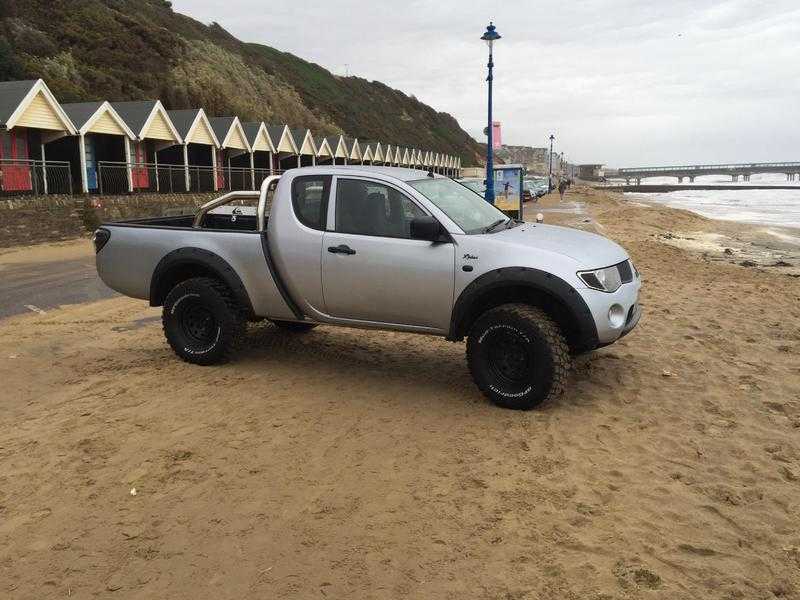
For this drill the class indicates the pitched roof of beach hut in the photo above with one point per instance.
(338, 145)
(353, 148)
(230, 133)
(305, 141)
(193, 126)
(282, 139)
(324, 148)
(148, 119)
(30, 103)
(258, 137)
(97, 117)
(377, 153)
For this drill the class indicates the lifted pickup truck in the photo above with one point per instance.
(384, 248)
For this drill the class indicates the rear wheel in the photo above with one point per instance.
(517, 356)
(202, 321)
(294, 326)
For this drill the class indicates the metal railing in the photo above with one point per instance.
(18, 176)
(113, 177)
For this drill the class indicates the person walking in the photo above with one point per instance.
(562, 187)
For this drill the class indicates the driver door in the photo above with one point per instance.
(371, 268)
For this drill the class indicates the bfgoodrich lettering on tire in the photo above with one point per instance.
(202, 321)
(517, 356)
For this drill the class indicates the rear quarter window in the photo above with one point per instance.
(310, 200)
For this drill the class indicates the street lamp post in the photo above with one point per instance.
(550, 178)
(490, 36)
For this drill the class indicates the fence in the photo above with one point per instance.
(112, 178)
(18, 176)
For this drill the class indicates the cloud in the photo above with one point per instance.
(618, 81)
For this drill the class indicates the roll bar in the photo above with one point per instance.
(231, 196)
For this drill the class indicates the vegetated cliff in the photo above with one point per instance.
(140, 49)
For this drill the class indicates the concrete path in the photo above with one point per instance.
(44, 277)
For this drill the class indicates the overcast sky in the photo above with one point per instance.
(623, 82)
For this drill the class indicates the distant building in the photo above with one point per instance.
(591, 172)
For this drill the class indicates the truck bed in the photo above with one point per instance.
(142, 244)
(219, 219)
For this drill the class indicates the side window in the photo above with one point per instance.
(372, 208)
(310, 199)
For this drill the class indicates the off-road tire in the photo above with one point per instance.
(294, 326)
(517, 356)
(202, 321)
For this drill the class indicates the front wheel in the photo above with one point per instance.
(517, 356)
(202, 321)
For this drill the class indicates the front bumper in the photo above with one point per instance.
(634, 314)
(626, 303)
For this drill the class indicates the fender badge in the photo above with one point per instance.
(470, 257)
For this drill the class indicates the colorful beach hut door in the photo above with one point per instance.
(15, 173)
(91, 163)
(141, 178)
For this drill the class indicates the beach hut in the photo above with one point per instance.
(234, 160)
(388, 155)
(353, 150)
(155, 133)
(103, 140)
(199, 156)
(307, 147)
(262, 151)
(324, 152)
(287, 154)
(366, 152)
(339, 147)
(378, 156)
(398, 155)
(405, 159)
(35, 152)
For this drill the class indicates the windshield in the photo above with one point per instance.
(465, 208)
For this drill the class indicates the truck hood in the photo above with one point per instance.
(592, 251)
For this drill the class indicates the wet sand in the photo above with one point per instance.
(354, 464)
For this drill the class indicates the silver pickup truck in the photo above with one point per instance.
(382, 248)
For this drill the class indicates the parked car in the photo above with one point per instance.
(528, 192)
(540, 187)
(381, 248)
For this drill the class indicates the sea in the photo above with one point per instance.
(780, 208)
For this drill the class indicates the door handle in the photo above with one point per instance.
(341, 249)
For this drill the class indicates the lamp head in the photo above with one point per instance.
(490, 35)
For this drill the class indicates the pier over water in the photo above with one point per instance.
(744, 170)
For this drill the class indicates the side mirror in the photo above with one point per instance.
(426, 228)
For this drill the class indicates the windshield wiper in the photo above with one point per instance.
(495, 224)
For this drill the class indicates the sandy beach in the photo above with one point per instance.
(354, 464)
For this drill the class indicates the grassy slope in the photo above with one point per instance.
(135, 49)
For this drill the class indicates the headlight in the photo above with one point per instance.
(605, 280)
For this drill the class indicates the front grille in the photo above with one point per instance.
(625, 271)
